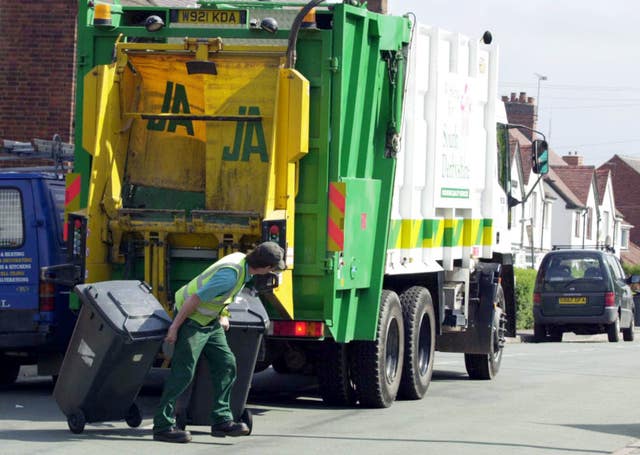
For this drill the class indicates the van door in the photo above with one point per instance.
(19, 264)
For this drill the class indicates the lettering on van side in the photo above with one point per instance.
(4, 304)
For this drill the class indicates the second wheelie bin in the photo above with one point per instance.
(247, 324)
(119, 331)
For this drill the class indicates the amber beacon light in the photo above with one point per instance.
(102, 15)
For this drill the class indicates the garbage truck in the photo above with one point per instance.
(205, 130)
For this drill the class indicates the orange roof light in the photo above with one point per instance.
(310, 19)
(102, 14)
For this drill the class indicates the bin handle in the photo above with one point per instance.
(140, 338)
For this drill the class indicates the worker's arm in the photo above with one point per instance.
(187, 308)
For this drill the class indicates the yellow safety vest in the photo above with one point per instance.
(208, 311)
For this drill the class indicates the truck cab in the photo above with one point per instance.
(35, 319)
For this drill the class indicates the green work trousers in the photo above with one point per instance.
(193, 340)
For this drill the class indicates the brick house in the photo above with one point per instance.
(37, 71)
(625, 174)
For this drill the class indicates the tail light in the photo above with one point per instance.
(308, 329)
(537, 299)
(47, 297)
(609, 299)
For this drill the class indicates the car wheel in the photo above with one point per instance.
(555, 335)
(613, 331)
(627, 334)
(539, 333)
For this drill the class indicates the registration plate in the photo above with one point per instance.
(572, 300)
(210, 16)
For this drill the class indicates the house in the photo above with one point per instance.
(574, 206)
(625, 176)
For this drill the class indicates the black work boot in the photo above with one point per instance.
(229, 428)
(172, 435)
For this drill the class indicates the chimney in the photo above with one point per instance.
(521, 111)
(573, 160)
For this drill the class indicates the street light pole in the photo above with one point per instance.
(540, 78)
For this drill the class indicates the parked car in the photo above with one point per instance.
(582, 291)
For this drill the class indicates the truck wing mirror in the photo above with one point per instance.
(540, 157)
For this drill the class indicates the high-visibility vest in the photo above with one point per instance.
(208, 311)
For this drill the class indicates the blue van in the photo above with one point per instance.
(35, 320)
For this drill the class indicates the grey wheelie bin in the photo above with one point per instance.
(248, 322)
(119, 331)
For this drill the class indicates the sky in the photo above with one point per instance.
(588, 50)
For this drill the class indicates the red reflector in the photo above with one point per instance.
(47, 297)
(537, 300)
(311, 329)
(609, 299)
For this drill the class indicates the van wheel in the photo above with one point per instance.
(377, 364)
(613, 331)
(486, 366)
(419, 342)
(627, 334)
(9, 369)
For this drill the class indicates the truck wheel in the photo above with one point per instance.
(613, 331)
(9, 369)
(76, 422)
(334, 378)
(627, 334)
(486, 366)
(377, 364)
(419, 342)
(134, 416)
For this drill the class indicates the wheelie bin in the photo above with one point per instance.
(119, 331)
(247, 324)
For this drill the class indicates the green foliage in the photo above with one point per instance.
(631, 269)
(525, 279)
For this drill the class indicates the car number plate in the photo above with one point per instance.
(210, 16)
(572, 300)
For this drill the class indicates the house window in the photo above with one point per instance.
(624, 239)
(576, 227)
(589, 222)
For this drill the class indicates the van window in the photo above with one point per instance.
(11, 221)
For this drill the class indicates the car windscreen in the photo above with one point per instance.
(573, 272)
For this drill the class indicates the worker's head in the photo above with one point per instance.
(266, 257)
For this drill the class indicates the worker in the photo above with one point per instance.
(198, 327)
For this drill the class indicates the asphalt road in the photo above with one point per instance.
(580, 396)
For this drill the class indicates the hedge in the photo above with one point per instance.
(525, 279)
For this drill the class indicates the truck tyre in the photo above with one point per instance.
(377, 364)
(9, 369)
(613, 331)
(419, 342)
(486, 366)
(334, 378)
(627, 334)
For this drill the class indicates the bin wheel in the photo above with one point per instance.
(76, 422)
(247, 418)
(134, 416)
(181, 421)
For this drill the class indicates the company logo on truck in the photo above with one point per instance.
(175, 102)
(249, 135)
